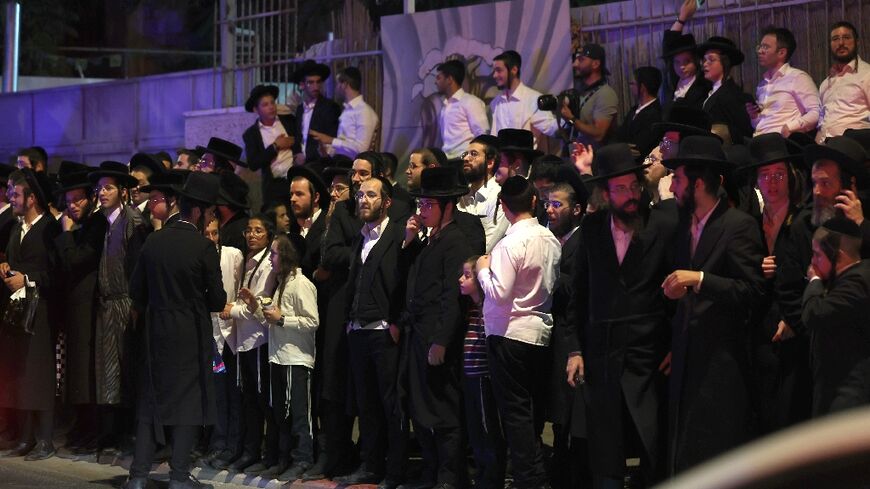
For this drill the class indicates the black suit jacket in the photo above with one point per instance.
(324, 119)
(382, 275)
(260, 157)
(836, 318)
(727, 106)
(311, 245)
(637, 128)
(472, 228)
(709, 406)
(6, 222)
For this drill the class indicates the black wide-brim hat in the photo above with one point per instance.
(40, 186)
(233, 191)
(568, 174)
(705, 151)
(73, 181)
(767, 149)
(170, 181)
(201, 187)
(846, 152)
(116, 170)
(862, 136)
(149, 161)
(318, 183)
(258, 92)
(614, 160)
(687, 121)
(70, 167)
(310, 67)
(440, 182)
(725, 46)
(338, 165)
(519, 141)
(684, 43)
(223, 149)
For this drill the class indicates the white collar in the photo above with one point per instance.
(113, 216)
(637, 111)
(354, 102)
(374, 231)
(310, 221)
(457, 96)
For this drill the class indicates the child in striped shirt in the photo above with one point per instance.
(484, 425)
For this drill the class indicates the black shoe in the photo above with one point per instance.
(316, 472)
(258, 468)
(136, 483)
(190, 483)
(388, 484)
(207, 459)
(274, 470)
(359, 476)
(225, 459)
(243, 462)
(41, 451)
(294, 472)
(18, 450)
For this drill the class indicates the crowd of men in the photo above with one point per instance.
(677, 285)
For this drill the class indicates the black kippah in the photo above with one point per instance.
(514, 186)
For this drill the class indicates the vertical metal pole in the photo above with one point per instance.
(228, 51)
(10, 55)
(410, 6)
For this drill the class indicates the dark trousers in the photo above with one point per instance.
(254, 366)
(484, 432)
(183, 440)
(228, 430)
(443, 455)
(291, 411)
(518, 371)
(36, 425)
(335, 440)
(374, 361)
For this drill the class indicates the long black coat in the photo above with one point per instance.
(709, 406)
(433, 316)
(637, 128)
(260, 157)
(728, 106)
(27, 363)
(324, 119)
(175, 285)
(623, 316)
(79, 257)
(839, 327)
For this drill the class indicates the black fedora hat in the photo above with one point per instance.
(201, 187)
(310, 175)
(73, 181)
(310, 67)
(168, 181)
(846, 152)
(687, 121)
(860, 135)
(519, 141)
(614, 160)
(440, 182)
(258, 92)
(116, 170)
(568, 174)
(338, 165)
(70, 167)
(700, 151)
(233, 191)
(682, 44)
(149, 161)
(224, 150)
(725, 46)
(770, 148)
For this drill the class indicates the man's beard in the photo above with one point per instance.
(686, 205)
(631, 219)
(845, 59)
(822, 211)
(476, 173)
(581, 74)
(376, 211)
(304, 213)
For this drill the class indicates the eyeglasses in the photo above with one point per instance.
(338, 189)
(427, 205)
(634, 188)
(472, 153)
(768, 177)
(711, 59)
(555, 204)
(203, 163)
(844, 38)
(764, 48)
(107, 188)
(371, 196)
(156, 199)
(253, 232)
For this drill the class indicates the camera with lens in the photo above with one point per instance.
(553, 103)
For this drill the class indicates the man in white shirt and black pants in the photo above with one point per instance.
(357, 123)
(518, 279)
(463, 116)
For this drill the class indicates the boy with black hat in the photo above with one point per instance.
(619, 340)
(269, 141)
(27, 364)
(219, 156)
(687, 86)
(835, 305)
(315, 113)
(717, 283)
(518, 279)
(175, 284)
(433, 327)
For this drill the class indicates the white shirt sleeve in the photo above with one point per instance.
(807, 99)
(357, 136)
(477, 120)
(497, 281)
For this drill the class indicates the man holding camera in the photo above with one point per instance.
(591, 113)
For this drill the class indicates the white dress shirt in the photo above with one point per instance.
(26, 227)
(484, 205)
(356, 128)
(232, 262)
(518, 285)
(845, 100)
(371, 233)
(307, 112)
(788, 98)
(519, 110)
(697, 229)
(292, 343)
(621, 240)
(716, 86)
(683, 87)
(260, 280)
(462, 118)
(284, 160)
(306, 225)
